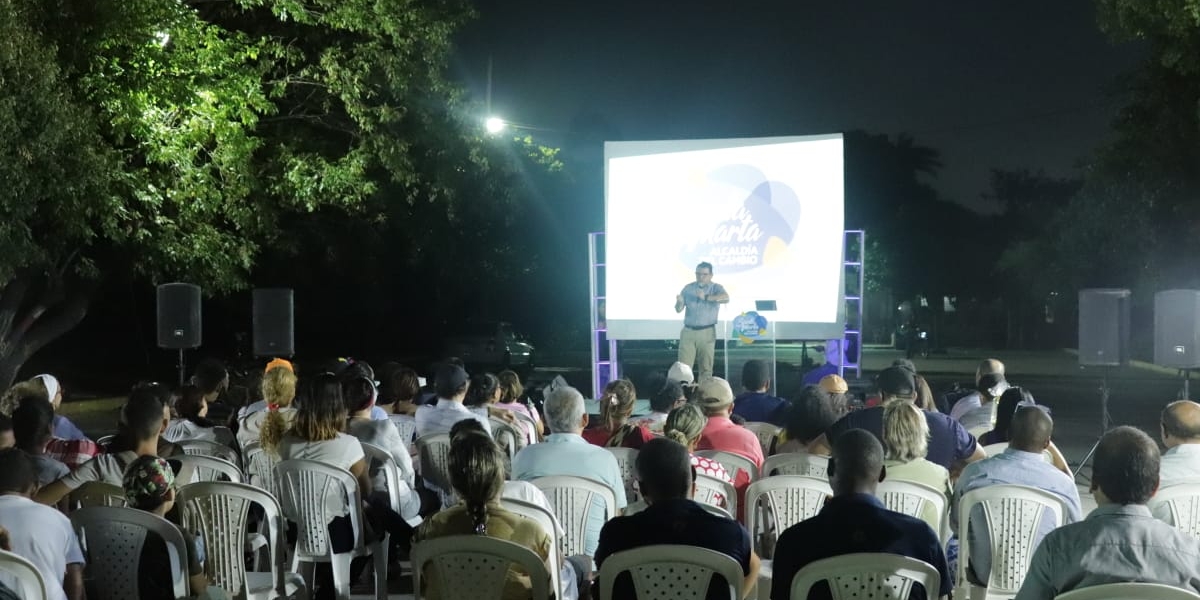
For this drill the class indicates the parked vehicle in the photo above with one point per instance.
(491, 344)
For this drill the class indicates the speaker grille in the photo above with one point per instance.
(179, 323)
(1176, 335)
(1103, 327)
(273, 322)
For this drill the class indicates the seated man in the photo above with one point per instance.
(666, 478)
(1119, 541)
(1181, 436)
(715, 398)
(974, 400)
(39, 533)
(755, 404)
(451, 385)
(854, 520)
(565, 452)
(1021, 463)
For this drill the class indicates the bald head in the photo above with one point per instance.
(857, 463)
(989, 366)
(1030, 429)
(1181, 423)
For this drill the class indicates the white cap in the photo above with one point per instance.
(681, 373)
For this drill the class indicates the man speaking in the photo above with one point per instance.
(698, 338)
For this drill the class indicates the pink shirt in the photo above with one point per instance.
(722, 434)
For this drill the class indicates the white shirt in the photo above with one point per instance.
(439, 418)
(965, 405)
(1179, 464)
(342, 451)
(384, 435)
(108, 468)
(42, 535)
(180, 430)
(250, 429)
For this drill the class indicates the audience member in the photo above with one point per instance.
(483, 393)
(854, 520)
(402, 387)
(1012, 399)
(359, 397)
(451, 385)
(615, 430)
(833, 358)
(267, 426)
(973, 400)
(682, 374)
(715, 398)
(812, 412)
(983, 417)
(261, 405)
(755, 404)
(666, 477)
(668, 397)
(143, 419)
(48, 389)
(7, 439)
(835, 386)
(565, 452)
(1181, 436)
(905, 443)
(684, 425)
(6, 593)
(513, 398)
(1119, 541)
(212, 378)
(950, 445)
(149, 485)
(513, 489)
(1021, 463)
(192, 421)
(39, 533)
(32, 421)
(350, 368)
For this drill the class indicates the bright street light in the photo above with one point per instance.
(494, 125)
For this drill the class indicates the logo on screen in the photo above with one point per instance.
(759, 230)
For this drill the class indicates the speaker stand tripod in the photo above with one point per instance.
(1105, 421)
(181, 367)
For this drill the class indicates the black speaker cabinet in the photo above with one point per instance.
(1103, 327)
(178, 316)
(1177, 329)
(274, 315)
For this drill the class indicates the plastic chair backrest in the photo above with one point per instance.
(197, 467)
(384, 461)
(24, 575)
(711, 491)
(508, 437)
(625, 460)
(207, 448)
(471, 566)
(572, 500)
(994, 449)
(98, 493)
(866, 575)
(1013, 514)
(671, 572)
(305, 490)
(732, 461)
(549, 524)
(1182, 503)
(112, 539)
(219, 513)
(406, 425)
(225, 436)
(260, 468)
(640, 505)
(433, 451)
(917, 500)
(765, 432)
(797, 463)
(1129, 591)
(789, 498)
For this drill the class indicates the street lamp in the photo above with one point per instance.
(494, 125)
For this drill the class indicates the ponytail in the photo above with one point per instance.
(478, 514)
(616, 405)
(676, 435)
(272, 430)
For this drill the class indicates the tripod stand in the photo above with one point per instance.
(1105, 420)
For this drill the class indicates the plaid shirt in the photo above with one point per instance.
(72, 453)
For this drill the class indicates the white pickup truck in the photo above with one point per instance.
(492, 344)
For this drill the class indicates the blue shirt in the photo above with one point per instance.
(760, 407)
(64, 429)
(949, 442)
(700, 313)
(1011, 467)
(848, 524)
(679, 521)
(1113, 544)
(814, 376)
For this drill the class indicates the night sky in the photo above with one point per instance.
(1009, 84)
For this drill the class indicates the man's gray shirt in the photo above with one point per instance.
(700, 313)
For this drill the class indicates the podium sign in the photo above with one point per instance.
(751, 336)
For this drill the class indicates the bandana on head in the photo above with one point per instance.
(51, 383)
(147, 478)
(279, 362)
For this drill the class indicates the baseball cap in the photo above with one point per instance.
(449, 378)
(714, 392)
(834, 384)
(681, 372)
(147, 481)
(896, 381)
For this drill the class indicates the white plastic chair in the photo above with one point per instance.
(670, 572)
(917, 500)
(549, 524)
(797, 463)
(867, 575)
(711, 491)
(788, 499)
(433, 451)
(305, 490)
(1013, 514)
(260, 468)
(994, 449)
(207, 448)
(572, 499)
(625, 460)
(393, 484)
(197, 467)
(1129, 591)
(112, 539)
(98, 493)
(219, 513)
(509, 438)
(732, 461)
(475, 566)
(406, 425)
(24, 575)
(765, 432)
(1180, 504)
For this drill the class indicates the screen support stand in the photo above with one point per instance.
(1105, 421)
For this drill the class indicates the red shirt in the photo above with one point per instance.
(636, 437)
(722, 434)
(72, 453)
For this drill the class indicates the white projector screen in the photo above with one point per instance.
(766, 212)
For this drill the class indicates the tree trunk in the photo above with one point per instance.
(30, 321)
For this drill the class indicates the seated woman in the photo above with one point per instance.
(615, 430)
(1012, 399)
(192, 422)
(149, 485)
(512, 397)
(47, 388)
(359, 396)
(684, 424)
(905, 444)
(668, 397)
(808, 416)
(279, 394)
(403, 388)
(476, 470)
